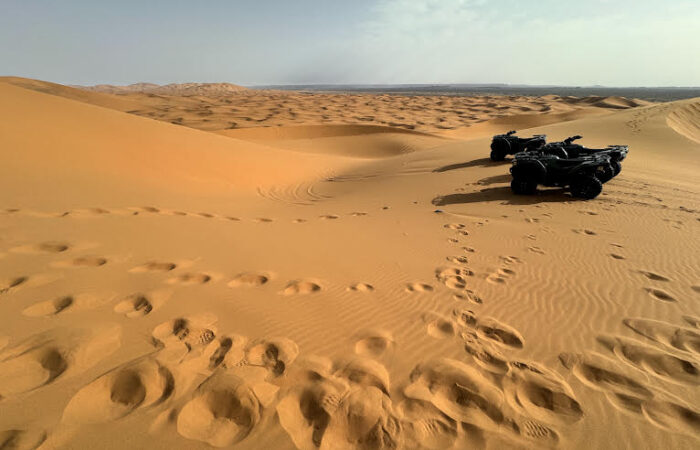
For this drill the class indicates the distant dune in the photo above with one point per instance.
(175, 89)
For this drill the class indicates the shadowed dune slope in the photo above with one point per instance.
(61, 146)
(362, 141)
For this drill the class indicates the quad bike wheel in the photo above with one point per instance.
(586, 186)
(617, 167)
(530, 170)
(605, 173)
(499, 149)
(523, 186)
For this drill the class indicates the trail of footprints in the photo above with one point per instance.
(57, 247)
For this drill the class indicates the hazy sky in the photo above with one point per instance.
(567, 42)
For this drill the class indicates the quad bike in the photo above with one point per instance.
(510, 144)
(567, 149)
(582, 175)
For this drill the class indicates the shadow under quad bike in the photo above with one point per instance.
(580, 175)
(510, 144)
(567, 149)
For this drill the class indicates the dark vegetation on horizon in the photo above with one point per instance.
(644, 93)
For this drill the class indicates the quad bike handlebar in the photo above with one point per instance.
(571, 139)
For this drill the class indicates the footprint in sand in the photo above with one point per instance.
(459, 391)
(300, 287)
(89, 261)
(653, 361)
(135, 305)
(340, 402)
(249, 279)
(275, 355)
(467, 295)
(585, 232)
(190, 279)
(49, 307)
(658, 294)
(360, 287)
(537, 250)
(653, 276)
(672, 336)
(178, 337)
(540, 393)
(453, 277)
(328, 217)
(439, 327)
(154, 266)
(147, 209)
(21, 439)
(458, 259)
(616, 256)
(604, 375)
(119, 392)
(468, 249)
(223, 411)
(8, 284)
(692, 321)
(375, 344)
(418, 287)
(43, 247)
(43, 358)
(510, 260)
(358, 214)
(500, 276)
(262, 220)
(206, 215)
(499, 333)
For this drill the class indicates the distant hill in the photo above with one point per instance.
(176, 89)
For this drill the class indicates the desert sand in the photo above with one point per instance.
(204, 265)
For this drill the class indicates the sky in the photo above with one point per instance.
(262, 42)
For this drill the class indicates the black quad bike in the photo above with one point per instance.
(583, 175)
(567, 149)
(510, 144)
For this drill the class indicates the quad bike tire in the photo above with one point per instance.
(617, 167)
(606, 174)
(499, 149)
(586, 186)
(523, 186)
(531, 170)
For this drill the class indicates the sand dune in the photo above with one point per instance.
(686, 120)
(177, 89)
(339, 282)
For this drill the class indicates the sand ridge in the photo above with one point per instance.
(335, 299)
